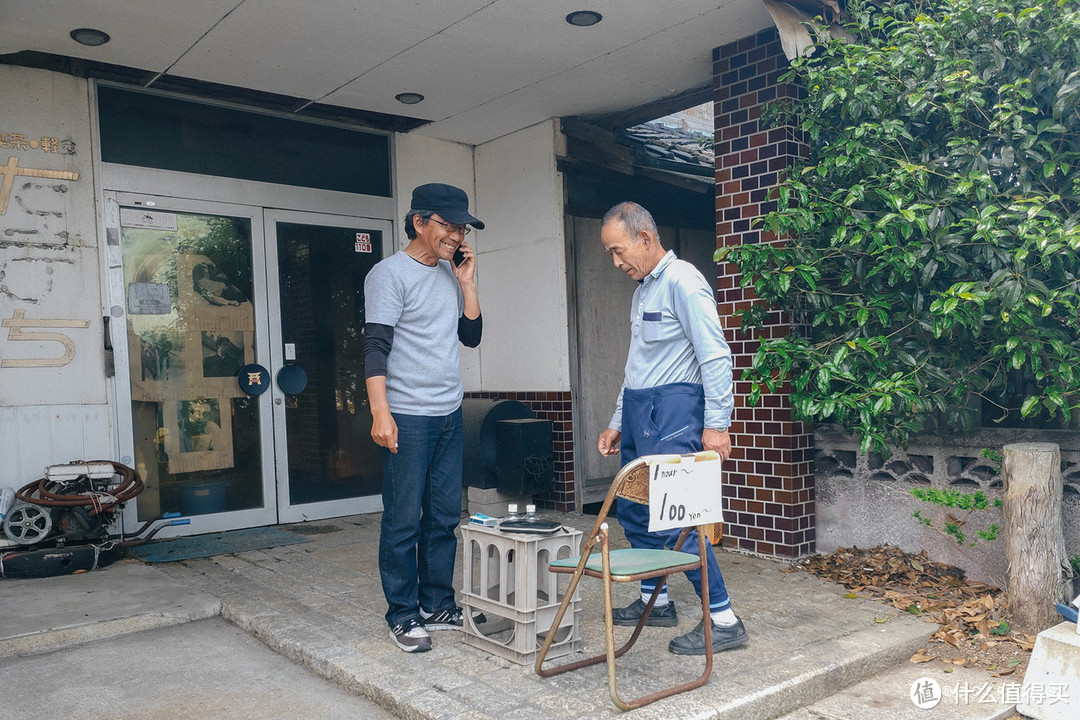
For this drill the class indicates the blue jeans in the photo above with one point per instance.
(662, 420)
(421, 510)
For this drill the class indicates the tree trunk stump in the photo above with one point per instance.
(1033, 533)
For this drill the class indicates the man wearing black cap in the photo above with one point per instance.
(419, 305)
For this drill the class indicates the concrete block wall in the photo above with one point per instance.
(865, 500)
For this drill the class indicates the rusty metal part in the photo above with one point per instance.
(44, 492)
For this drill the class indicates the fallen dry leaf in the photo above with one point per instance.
(967, 613)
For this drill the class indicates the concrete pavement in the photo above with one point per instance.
(203, 669)
(812, 653)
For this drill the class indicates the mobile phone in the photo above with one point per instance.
(459, 257)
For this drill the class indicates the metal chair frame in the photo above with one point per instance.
(631, 483)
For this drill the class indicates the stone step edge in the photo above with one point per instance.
(59, 638)
(863, 658)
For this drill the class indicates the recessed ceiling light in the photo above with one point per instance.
(409, 98)
(584, 18)
(89, 36)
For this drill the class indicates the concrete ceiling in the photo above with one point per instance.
(485, 67)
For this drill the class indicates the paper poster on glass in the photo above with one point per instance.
(200, 434)
(159, 362)
(204, 363)
(209, 300)
(149, 298)
(217, 358)
(222, 353)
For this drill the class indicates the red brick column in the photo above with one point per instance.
(769, 481)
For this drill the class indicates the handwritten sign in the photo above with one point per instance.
(684, 491)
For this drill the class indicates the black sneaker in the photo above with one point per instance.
(663, 616)
(450, 619)
(411, 636)
(724, 637)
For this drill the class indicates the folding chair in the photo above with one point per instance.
(630, 565)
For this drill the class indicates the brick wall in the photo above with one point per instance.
(769, 487)
(556, 407)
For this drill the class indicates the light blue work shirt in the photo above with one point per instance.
(675, 336)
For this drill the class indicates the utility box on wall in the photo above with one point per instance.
(524, 456)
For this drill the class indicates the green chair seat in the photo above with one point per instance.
(630, 561)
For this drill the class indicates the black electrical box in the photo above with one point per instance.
(479, 419)
(524, 456)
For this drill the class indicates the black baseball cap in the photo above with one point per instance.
(451, 203)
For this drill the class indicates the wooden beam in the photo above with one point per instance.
(689, 182)
(650, 111)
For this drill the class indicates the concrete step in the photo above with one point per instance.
(43, 614)
(203, 669)
(961, 694)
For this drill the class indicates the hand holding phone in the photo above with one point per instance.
(459, 257)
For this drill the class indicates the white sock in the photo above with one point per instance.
(661, 599)
(724, 618)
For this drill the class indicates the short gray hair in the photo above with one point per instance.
(633, 217)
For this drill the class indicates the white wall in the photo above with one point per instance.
(521, 267)
(50, 269)
(49, 273)
(32, 437)
(419, 160)
(523, 262)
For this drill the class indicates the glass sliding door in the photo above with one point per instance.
(324, 432)
(190, 299)
(205, 289)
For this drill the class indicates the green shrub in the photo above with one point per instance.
(933, 231)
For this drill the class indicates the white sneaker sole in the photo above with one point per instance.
(423, 645)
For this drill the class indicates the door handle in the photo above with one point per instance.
(292, 379)
(110, 364)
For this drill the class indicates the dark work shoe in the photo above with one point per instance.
(449, 619)
(411, 636)
(664, 616)
(723, 638)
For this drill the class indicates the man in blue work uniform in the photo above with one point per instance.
(676, 398)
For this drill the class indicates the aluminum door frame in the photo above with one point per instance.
(287, 512)
(116, 294)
